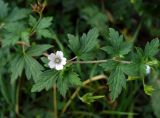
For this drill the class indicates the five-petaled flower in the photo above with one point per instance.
(57, 60)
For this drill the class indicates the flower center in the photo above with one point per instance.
(57, 60)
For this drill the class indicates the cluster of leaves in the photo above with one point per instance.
(22, 35)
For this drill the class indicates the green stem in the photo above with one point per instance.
(99, 77)
(59, 43)
(17, 98)
(55, 101)
(98, 61)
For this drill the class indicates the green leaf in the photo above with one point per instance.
(63, 85)
(45, 33)
(38, 50)
(155, 98)
(85, 44)
(151, 48)
(45, 23)
(109, 65)
(12, 34)
(116, 82)
(89, 41)
(115, 38)
(4, 90)
(130, 69)
(17, 14)
(73, 79)
(46, 80)
(125, 48)
(17, 67)
(74, 43)
(32, 67)
(88, 98)
(148, 89)
(109, 49)
(116, 46)
(32, 21)
(3, 9)
(25, 36)
(94, 16)
(67, 80)
(9, 40)
(63, 81)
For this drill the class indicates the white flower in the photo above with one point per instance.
(57, 60)
(148, 69)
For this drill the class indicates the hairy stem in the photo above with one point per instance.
(98, 61)
(55, 101)
(99, 77)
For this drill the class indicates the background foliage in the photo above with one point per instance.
(118, 30)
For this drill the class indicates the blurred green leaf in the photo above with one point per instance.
(17, 14)
(18, 63)
(3, 9)
(37, 50)
(148, 89)
(45, 23)
(89, 98)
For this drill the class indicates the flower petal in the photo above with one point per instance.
(63, 61)
(51, 56)
(59, 67)
(59, 54)
(51, 64)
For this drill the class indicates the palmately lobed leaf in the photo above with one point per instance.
(116, 46)
(74, 43)
(85, 44)
(88, 41)
(49, 78)
(69, 79)
(32, 67)
(18, 63)
(116, 82)
(37, 50)
(152, 48)
(17, 14)
(46, 80)
(45, 23)
(115, 38)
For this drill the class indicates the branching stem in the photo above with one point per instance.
(99, 77)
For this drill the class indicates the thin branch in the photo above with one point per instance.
(22, 43)
(72, 59)
(96, 78)
(55, 101)
(98, 61)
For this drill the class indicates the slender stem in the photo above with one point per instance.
(72, 59)
(98, 61)
(22, 43)
(17, 98)
(99, 77)
(55, 101)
